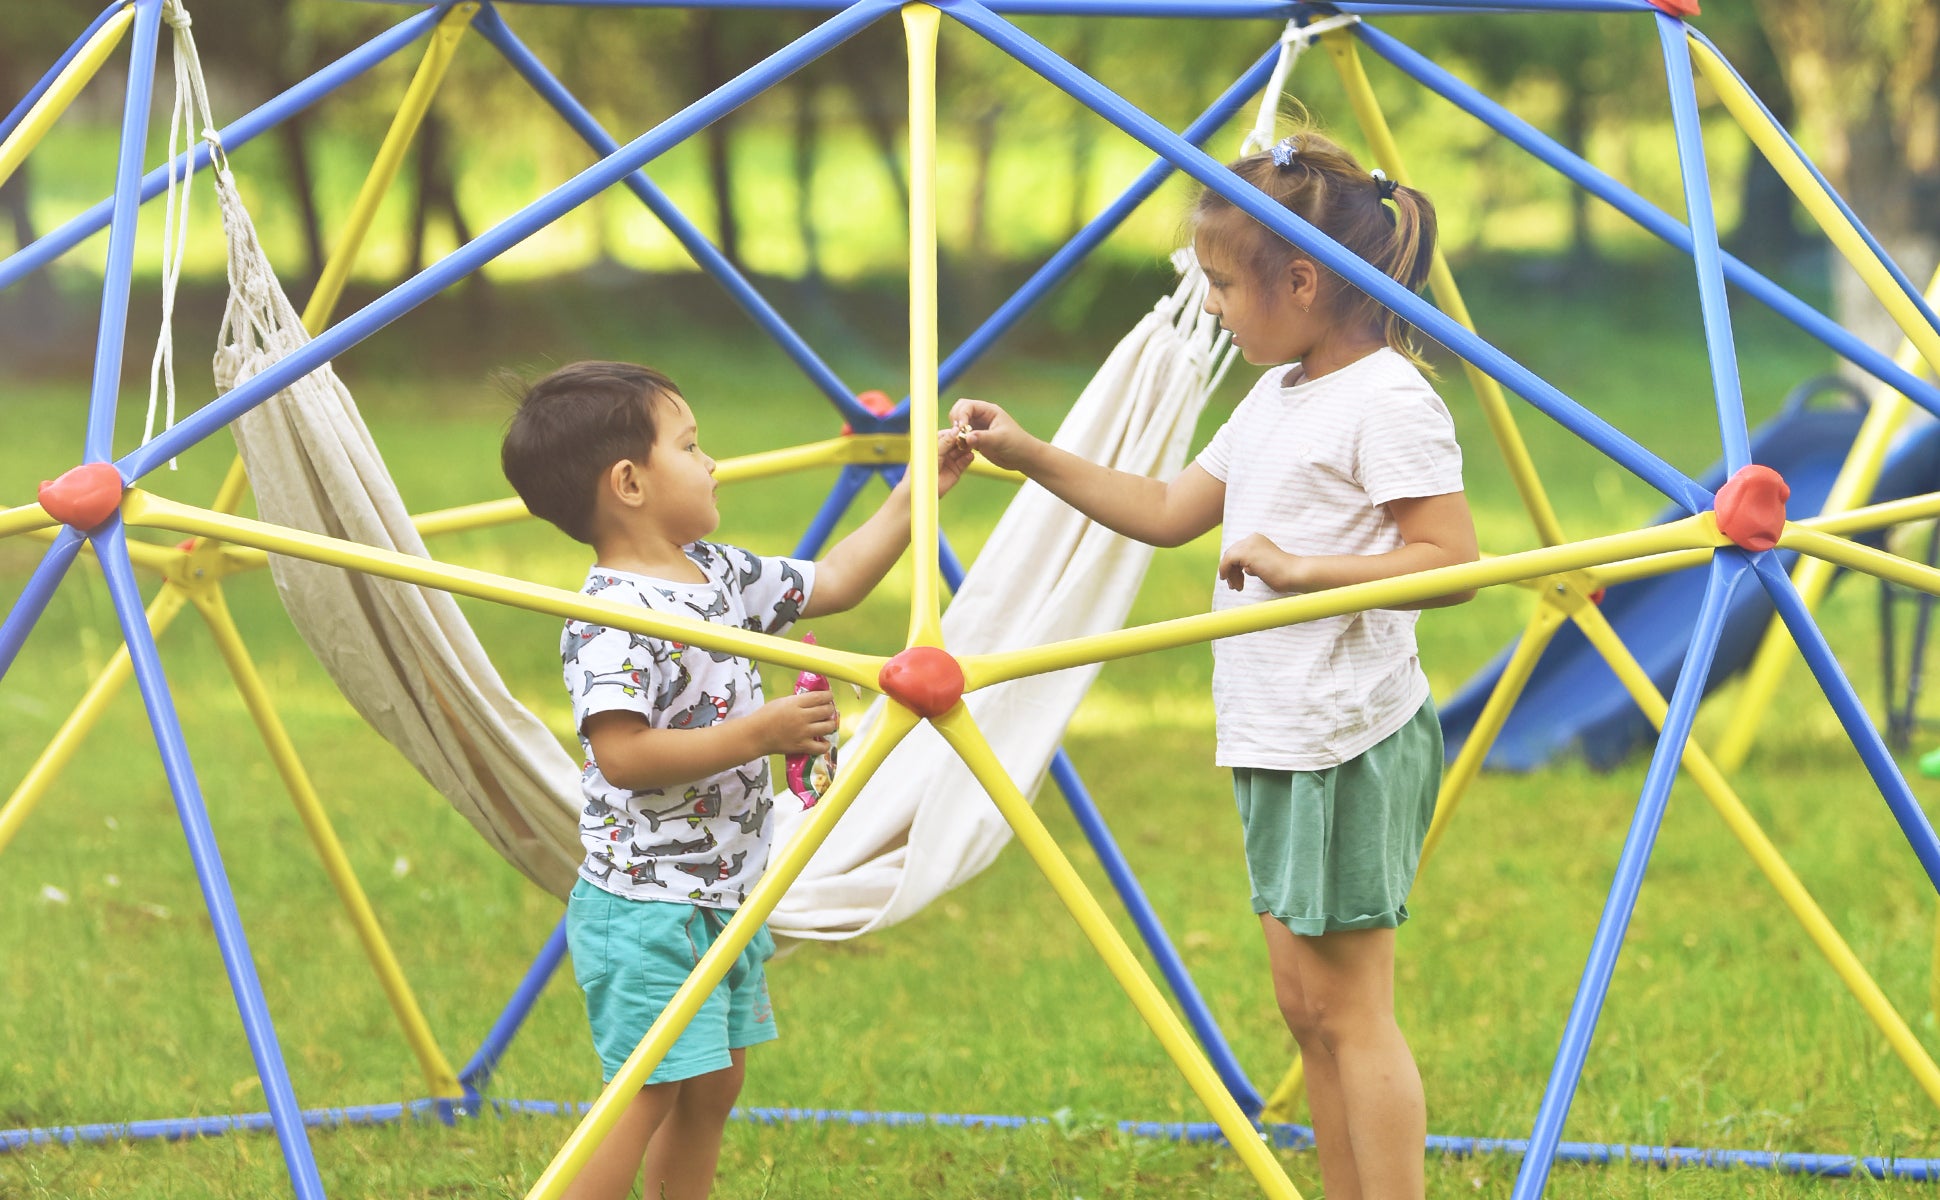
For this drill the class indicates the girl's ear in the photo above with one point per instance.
(1303, 278)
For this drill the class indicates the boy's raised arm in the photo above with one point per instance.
(855, 565)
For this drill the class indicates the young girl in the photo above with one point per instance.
(1339, 469)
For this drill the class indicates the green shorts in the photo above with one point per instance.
(631, 956)
(1337, 849)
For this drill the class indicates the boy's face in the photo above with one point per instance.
(679, 477)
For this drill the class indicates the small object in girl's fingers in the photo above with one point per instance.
(962, 431)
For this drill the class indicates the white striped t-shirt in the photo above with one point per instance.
(1311, 466)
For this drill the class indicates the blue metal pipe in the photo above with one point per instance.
(503, 236)
(1189, 9)
(1573, 167)
(1716, 309)
(1907, 285)
(1412, 308)
(34, 93)
(52, 245)
(113, 329)
(489, 23)
(477, 1072)
(1727, 568)
(1060, 265)
(175, 1129)
(848, 484)
(1852, 714)
(33, 599)
(111, 548)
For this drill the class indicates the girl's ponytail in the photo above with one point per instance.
(1411, 254)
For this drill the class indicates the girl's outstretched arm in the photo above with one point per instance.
(1158, 512)
(1437, 531)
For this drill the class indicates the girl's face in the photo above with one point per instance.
(1269, 316)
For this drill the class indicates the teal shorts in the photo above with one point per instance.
(1337, 849)
(631, 956)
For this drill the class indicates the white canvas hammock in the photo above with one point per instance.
(923, 825)
(408, 661)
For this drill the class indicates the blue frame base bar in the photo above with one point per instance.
(1291, 1137)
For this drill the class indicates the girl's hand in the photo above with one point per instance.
(988, 430)
(952, 460)
(1255, 555)
(799, 723)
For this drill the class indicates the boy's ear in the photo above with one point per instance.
(625, 483)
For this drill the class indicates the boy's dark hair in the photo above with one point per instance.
(573, 425)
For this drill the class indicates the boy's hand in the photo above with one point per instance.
(953, 457)
(798, 724)
(988, 430)
(1256, 555)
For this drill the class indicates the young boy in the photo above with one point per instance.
(676, 741)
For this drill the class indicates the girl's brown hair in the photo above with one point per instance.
(1389, 226)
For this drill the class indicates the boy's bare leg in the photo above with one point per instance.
(1348, 981)
(615, 1164)
(1338, 1178)
(687, 1146)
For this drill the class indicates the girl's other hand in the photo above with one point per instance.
(989, 430)
(1257, 556)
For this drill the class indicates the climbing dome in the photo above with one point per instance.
(1736, 532)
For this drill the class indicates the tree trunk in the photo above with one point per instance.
(1865, 83)
(807, 137)
(303, 189)
(720, 167)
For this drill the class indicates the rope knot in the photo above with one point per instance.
(176, 15)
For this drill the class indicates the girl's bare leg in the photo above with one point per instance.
(1347, 981)
(1338, 1178)
(686, 1148)
(615, 1164)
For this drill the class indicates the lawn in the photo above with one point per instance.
(1723, 1027)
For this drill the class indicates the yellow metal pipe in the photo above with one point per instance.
(1812, 576)
(874, 745)
(1845, 237)
(61, 93)
(145, 555)
(442, 1080)
(1877, 563)
(162, 610)
(390, 155)
(926, 595)
(25, 519)
(235, 485)
(144, 509)
(1777, 871)
(960, 730)
(1543, 624)
(1648, 568)
(1874, 516)
(1692, 532)
(1441, 282)
(1283, 1106)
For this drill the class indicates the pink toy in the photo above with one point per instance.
(810, 775)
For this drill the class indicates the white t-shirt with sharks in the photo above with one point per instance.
(704, 842)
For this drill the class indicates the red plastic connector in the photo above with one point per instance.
(924, 679)
(1751, 507)
(877, 402)
(84, 497)
(1678, 8)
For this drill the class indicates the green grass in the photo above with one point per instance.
(1722, 1026)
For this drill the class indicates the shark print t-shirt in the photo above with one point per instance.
(704, 842)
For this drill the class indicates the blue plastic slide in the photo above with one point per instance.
(1574, 704)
